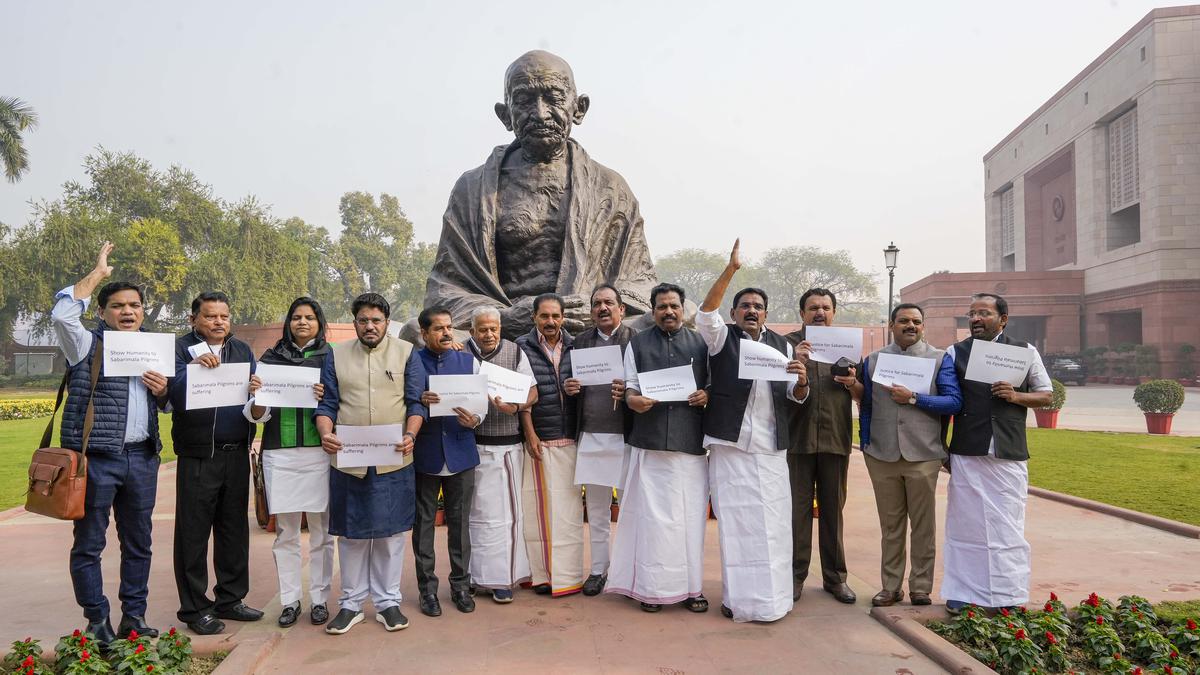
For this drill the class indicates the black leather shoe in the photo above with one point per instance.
(543, 589)
(133, 622)
(842, 592)
(797, 589)
(651, 607)
(392, 619)
(726, 612)
(320, 614)
(463, 601)
(430, 605)
(289, 615)
(102, 632)
(595, 584)
(918, 598)
(207, 625)
(240, 612)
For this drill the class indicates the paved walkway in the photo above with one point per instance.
(1075, 552)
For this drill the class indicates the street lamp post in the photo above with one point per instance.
(889, 261)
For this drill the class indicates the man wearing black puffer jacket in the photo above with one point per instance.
(213, 478)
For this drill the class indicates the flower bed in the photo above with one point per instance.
(1094, 637)
(78, 654)
(24, 409)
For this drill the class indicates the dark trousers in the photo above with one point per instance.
(212, 494)
(822, 475)
(126, 483)
(457, 491)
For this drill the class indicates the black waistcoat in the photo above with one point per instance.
(670, 425)
(984, 416)
(730, 394)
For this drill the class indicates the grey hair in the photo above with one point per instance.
(483, 312)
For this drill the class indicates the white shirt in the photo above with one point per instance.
(1038, 380)
(757, 434)
(76, 342)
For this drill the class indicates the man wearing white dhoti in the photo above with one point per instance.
(296, 469)
(986, 555)
(746, 433)
(603, 454)
(658, 551)
(553, 508)
(498, 558)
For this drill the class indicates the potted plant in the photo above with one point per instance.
(1047, 417)
(1158, 400)
(1186, 371)
(1093, 360)
(1123, 368)
(1145, 363)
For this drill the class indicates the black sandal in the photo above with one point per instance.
(697, 604)
(650, 607)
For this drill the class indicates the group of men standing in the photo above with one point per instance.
(510, 479)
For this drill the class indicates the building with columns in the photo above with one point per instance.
(1093, 206)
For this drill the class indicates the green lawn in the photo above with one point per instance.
(18, 440)
(1152, 474)
(8, 393)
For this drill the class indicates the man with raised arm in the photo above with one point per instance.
(746, 433)
(122, 449)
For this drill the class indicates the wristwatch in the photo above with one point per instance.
(912, 400)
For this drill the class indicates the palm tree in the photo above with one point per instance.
(16, 116)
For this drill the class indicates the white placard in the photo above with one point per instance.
(668, 384)
(286, 386)
(760, 361)
(201, 348)
(597, 365)
(460, 391)
(912, 372)
(830, 344)
(371, 446)
(993, 362)
(131, 353)
(509, 385)
(227, 384)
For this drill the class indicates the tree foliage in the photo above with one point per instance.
(784, 273)
(176, 239)
(16, 117)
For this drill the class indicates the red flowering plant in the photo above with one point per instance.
(1114, 664)
(972, 627)
(1149, 646)
(1054, 654)
(71, 647)
(87, 663)
(1017, 653)
(1185, 635)
(1100, 641)
(1092, 607)
(25, 657)
(1055, 605)
(140, 660)
(1049, 621)
(175, 650)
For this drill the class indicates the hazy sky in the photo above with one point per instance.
(846, 125)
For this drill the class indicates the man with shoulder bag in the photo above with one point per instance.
(113, 422)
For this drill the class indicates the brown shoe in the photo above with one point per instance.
(842, 592)
(919, 599)
(887, 598)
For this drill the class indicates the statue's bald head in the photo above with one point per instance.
(541, 104)
(538, 65)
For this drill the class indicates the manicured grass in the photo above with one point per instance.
(1159, 475)
(1174, 611)
(9, 393)
(18, 440)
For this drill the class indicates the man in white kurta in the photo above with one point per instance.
(747, 443)
(658, 551)
(498, 558)
(987, 559)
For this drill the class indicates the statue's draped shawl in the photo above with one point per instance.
(604, 240)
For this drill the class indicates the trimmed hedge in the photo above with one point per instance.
(25, 409)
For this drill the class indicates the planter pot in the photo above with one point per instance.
(1093, 378)
(439, 519)
(1046, 419)
(616, 510)
(1158, 423)
(1144, 379)
(1183, 381)
(1102, 379)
